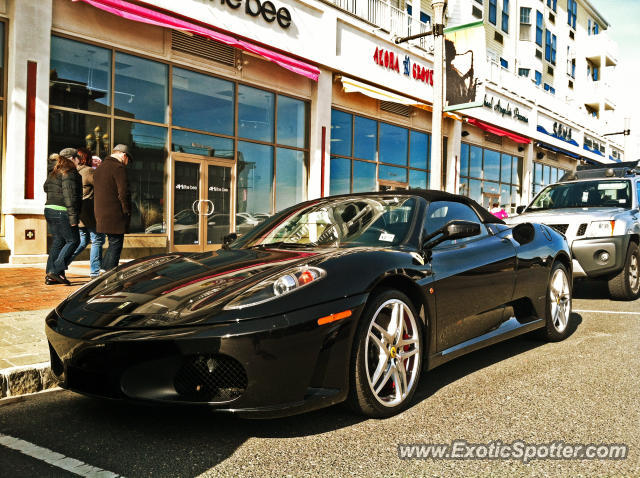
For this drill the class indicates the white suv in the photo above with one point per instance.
(597, 209)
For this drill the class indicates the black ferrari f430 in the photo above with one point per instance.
(345, 298)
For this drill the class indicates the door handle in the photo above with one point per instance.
(193, 207)
(209, 211)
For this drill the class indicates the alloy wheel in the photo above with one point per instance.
(560, 296)
(393, 353)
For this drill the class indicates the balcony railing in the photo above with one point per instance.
(385, 16)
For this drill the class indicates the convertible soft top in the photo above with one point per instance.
(435, 195)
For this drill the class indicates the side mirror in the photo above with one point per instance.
(519, 209)
(228, 239)
(456, 229)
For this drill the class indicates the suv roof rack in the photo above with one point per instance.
(619, 170)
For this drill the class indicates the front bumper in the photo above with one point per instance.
(586, 254)
(269, 367)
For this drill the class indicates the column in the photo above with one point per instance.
(320, 118)
(454, 134)
(29, 42)
(527, 175)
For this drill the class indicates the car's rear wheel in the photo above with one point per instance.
(626, 284)
(387, 356)
(558, 304)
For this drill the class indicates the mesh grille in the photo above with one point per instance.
(203, 47)
(581, 230)
(395, 108)
(562, 228)
(211, 378)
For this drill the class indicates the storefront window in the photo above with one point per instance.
(292, 122)
(341, 133)
(255, 113)
(393, 144)
(543, 175)
(340, 176)
(80, 76)
(202, 102)
(291, 177)
(202, 144)
(398, 147)
(2, 72)
(141, 89)
(365, 138)
(146, 172)
(254, 178)
(68, 129)
(364, 176)
(489, 177)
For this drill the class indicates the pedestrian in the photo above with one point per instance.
(87, 224)
(112, 202)
(63, 188)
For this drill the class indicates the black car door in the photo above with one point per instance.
(473, 277)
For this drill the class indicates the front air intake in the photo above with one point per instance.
(210, 378)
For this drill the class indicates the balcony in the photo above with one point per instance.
(598, 93)
(387, 17)
(601, 46)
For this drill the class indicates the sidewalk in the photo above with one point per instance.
(25, 301)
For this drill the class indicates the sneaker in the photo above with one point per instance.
(58, 278)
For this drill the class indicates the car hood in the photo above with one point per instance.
(567, 215)
(172, 289)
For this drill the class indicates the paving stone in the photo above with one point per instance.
(23, 381)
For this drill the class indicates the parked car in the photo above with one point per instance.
(597, 209)
(343, 298)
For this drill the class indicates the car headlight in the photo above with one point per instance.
(277, 286)
(600, 229)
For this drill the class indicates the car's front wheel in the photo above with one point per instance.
(387, 356)
(558, 308)
(626, 284)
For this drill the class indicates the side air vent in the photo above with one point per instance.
(395, 108)
(498, 37)
(203, 47)
(581, 230)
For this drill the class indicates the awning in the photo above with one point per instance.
(498, 131)
(558, 150)
(354, 86)
(140, 14)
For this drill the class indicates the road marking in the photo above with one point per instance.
(55, 459)
(607, 312)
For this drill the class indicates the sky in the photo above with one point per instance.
(622, 16)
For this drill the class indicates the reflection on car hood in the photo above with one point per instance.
(174, 285)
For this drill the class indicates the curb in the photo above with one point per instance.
(17, 381)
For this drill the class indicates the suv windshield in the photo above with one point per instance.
(347, 221)
(601, 193)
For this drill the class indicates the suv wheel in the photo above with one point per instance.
(626, 285)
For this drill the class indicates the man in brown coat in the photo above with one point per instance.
(112, 202)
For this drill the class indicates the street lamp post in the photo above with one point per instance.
(439, 7)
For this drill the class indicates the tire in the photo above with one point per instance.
(386, 361)
(626, 284)
(558, 308)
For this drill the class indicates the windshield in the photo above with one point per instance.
(336, 222)
(583, 194)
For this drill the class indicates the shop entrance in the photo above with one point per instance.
(203, 201)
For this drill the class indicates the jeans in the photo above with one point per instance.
(112, 256)
(65, 240)
(97, 241)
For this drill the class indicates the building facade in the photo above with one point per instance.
(237, 109)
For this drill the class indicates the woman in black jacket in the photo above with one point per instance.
(64, 197)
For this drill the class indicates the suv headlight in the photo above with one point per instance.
(600, 229)
(277, 286)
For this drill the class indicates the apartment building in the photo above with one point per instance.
(236, 109)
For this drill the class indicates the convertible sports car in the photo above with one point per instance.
(341, 298)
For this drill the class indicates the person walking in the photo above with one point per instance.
(63, 189)
(112, 202)
(87, 224)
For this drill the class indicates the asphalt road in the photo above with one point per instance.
(583, 390)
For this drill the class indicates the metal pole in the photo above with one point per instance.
(627, 127)
(438, 93)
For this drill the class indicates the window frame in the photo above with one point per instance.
(493, 12)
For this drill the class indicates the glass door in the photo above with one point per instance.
(202, 203)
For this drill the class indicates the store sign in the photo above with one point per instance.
(556, 129)
(266, 9)
(503, 108)
(391, 61)
(561, 131)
